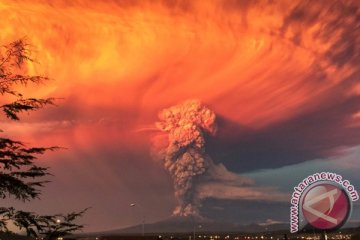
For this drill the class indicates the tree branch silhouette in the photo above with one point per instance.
(20, 176)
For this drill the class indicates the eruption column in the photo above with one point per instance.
(187, 125)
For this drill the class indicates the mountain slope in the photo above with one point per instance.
(188, 224)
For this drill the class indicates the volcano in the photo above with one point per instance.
(179, 224)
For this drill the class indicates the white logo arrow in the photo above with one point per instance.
(330, 195)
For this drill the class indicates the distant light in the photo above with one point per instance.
(58, 221)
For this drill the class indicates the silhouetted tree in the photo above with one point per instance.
(20, 176)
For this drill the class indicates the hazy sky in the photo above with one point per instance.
(281, 76)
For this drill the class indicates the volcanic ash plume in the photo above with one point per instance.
(184, 157)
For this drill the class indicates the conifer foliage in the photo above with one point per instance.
(21, 178)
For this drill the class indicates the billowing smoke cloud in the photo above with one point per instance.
(181, 148)
(298, 63)
(187, 125)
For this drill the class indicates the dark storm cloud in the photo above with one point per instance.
(315, 134)
(339, 24)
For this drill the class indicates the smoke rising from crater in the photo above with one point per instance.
(184, 157)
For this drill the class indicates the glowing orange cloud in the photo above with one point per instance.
(281, 77)
(241, 59)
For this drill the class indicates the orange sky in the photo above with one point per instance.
(283, 77)
(151, 55)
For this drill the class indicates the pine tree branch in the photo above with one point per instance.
(13, 154)
(41, 225)
(12, 110)
(20, 177)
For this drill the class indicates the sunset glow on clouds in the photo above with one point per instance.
(282, 78)
(268, 68)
